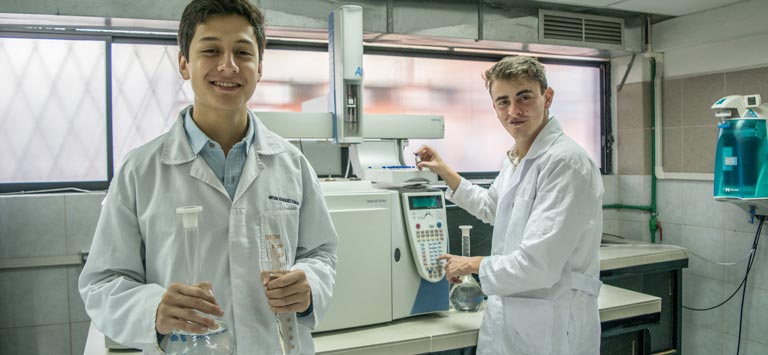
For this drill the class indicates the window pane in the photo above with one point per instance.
(52, 110)
(148, 91)
(474, 139)
(147, 94)
(576, 105)
(289, 78)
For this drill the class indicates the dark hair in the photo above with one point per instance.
(198, 11)
(512, 68)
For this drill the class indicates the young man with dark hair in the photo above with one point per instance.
(252, 185)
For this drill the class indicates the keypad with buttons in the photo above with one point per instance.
(427, 234)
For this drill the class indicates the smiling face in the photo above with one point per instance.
(223, 64)
(521, 108)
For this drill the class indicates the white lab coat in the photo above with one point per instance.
(542, 276)
(138, 250)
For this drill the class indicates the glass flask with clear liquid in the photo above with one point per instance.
(467, 295)
(213, 341)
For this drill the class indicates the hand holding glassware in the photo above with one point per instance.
(213, 340)
(467, 295)
(286, 322)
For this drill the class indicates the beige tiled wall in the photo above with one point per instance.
(699, 125)
(634, 129)
(672, 125)
(689, 126)
(752, 81)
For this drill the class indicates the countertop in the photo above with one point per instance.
(616, 253)
(431, 332)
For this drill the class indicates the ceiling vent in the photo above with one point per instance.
(581, 30)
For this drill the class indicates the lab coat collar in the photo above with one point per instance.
(177, 150)
(546, 137)
(198, 139)
(267, 142)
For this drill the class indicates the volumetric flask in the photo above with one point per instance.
(213, 341)
(467, 295)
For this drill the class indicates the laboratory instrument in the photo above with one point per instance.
(286, 322)
(741, 158)
(423, 283)
(382, 160)
(377, 279)
(213, 341)
(467, 295)
(345, 47)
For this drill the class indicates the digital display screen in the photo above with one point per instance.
(751, 101)
(425, 202)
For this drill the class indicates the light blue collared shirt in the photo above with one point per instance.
(227, 168)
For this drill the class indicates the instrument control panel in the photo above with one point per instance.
(425, 221)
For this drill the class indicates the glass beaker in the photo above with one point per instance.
(213, 341)
(467, 295)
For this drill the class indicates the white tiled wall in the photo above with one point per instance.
(719, 231)
(41, 311)
(45, 339)
(27, 224)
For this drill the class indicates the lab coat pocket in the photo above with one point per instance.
(548, 207)
(584, 327)
(529, 322)
(281, 229)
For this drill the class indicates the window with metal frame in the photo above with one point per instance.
(52, 107)
(475, 143)
(103, 96)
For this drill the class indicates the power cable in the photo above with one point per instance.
(742, 285)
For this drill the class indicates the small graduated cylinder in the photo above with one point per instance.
(465, 240)
(286, 322)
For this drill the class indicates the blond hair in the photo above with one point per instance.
(514, 68)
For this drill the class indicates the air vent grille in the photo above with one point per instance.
(594, 31)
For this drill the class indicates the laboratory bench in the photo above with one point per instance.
(446, 330)
(454, 330)
(652, 269)
(630, 319)
(640, 311)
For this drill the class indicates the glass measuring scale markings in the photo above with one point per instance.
(467, 295)
(213, 341)
(286, 322)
